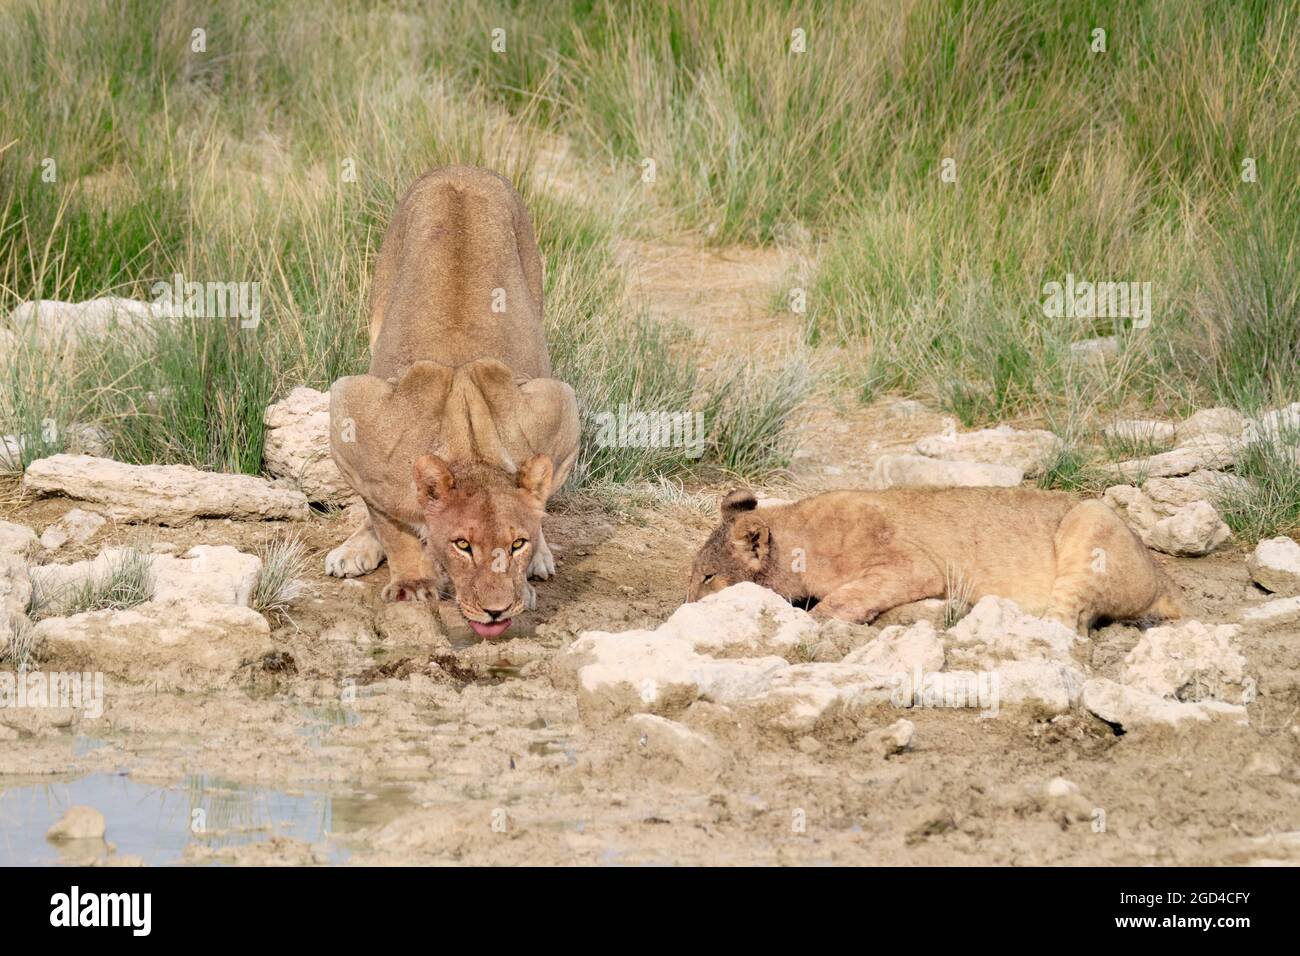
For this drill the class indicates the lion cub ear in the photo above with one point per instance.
(750, 541)
(535, 478)
(736, 502)
(433, 480)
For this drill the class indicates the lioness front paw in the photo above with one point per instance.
(542, 566)
(410, 589)
(530, 597)
(358, 555)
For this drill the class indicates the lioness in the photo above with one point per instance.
(859, 553)
(458, 435)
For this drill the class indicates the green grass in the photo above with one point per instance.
(1118, 165)
(1269, 504)
(228, 166)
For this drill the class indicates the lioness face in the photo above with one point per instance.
(737, 550)
(483, 534)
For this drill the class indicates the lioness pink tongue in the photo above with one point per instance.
(490, 630)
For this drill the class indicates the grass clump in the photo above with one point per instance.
(128, 580)
(1267, 503)
(285, 563)
(19, 646)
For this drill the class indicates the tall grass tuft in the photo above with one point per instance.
(19, 646)
(285, 564)
(126, 582)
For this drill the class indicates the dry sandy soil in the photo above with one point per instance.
(374, 737)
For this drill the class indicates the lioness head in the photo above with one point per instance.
(481, 524)
(737, 550)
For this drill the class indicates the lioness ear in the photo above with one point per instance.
(737, 502)
(535, 478)
(750, 540)
(433, 480)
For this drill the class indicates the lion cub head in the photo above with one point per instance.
(481, 526)
(739, 549)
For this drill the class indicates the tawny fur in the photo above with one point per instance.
(458, 433)
(860, 553)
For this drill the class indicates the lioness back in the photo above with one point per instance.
(458, 278)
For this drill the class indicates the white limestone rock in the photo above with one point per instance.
(1275, 565)
(163, 494)
(645, 671)
(1047, 687)
(75, 527)
(1210, 452)
(18, 545)
(15, 590)
(1131, 709)
(996, 630)
(892, 740)
(899, 649)
(741, 620)
(1189, 530)
(1279, 612)
(172, 645)
(210, 574)
(297, 446)
(919, 471)
(1187, 661)
(1213, 421)
(1029, 451)
(18, 539)
(1274, 426)
(77, 823)
(50, 319)
(1208, 486)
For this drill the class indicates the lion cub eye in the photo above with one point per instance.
(461, 545)
(519, 543)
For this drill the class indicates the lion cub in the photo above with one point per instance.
(859, 553)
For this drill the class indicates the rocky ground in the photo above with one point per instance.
(617, 726)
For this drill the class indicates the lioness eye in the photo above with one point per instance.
(462, 544)
(708, 578)
(519, 543)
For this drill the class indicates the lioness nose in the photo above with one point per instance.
(495, 614)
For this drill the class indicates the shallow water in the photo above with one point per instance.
(158, 822)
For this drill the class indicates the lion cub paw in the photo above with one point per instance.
(530, 597)
(410, 589)
(354, 557)
(542, 566)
